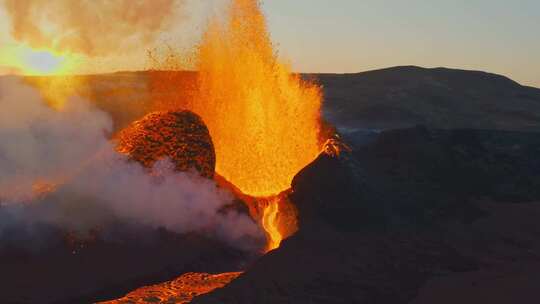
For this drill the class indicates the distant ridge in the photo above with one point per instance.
(438, 97)
(418, 69)
(389, 98)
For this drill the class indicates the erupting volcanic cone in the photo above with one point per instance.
(181, 136)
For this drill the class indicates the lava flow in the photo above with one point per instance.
(270, 224)
(182, 290)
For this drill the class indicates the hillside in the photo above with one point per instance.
(441, 98)
(416, 215)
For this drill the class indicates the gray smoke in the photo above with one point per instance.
(70, 149)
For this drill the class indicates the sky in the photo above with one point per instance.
(345, 36)
(499, 36)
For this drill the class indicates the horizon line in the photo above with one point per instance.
(301, 73)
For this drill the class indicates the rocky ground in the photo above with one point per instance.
(84, 271)
(400, 218)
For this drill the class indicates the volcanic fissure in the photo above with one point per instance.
(263, 119)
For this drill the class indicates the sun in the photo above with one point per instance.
(43, 62)
(19, 59)
(25, 60)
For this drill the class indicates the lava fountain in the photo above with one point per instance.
(263, 119)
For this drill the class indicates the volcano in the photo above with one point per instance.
(408, 215)
(245, 182)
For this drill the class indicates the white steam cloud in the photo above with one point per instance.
(38, 143)
(70, 148)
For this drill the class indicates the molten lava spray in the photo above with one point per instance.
(263, 119)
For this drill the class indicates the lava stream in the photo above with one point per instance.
(270, 224)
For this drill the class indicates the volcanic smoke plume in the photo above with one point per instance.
(68, 152)
(93, 28)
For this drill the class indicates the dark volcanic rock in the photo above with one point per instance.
(378, 223)
(347, 254)
(341, 185)
(332, 267)
(405, 96)
(181, 136)
(42, 263)
(501, 165)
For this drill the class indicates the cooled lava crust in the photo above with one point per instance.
(182, 136)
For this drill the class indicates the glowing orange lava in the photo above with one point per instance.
(182, 290)
(263, 119)
(270, 224)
